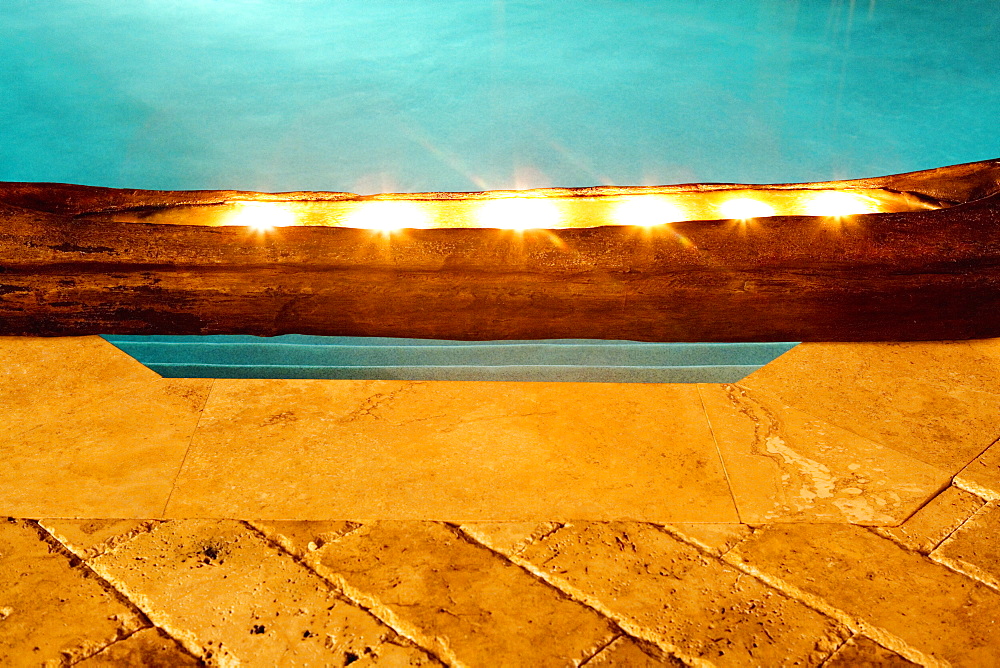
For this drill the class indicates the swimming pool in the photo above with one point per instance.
(409, 97)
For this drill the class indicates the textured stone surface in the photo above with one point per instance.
(471, 605)
(43, 380)
(982, 474)
(147, 648)
(224, 592)
(975, 547)
(935, 401)
(898, 594)
(52, 610)
(458, 451)
(530, 452)
(715, 538)
(987, 362)
(667, 591)
(786, 465)
(89, 538)
(302, 537)
(862, 652)
(932, 523)
(462, 601)
(626, 653)
(111, 459)
(508, 538)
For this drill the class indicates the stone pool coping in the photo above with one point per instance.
(862, 433)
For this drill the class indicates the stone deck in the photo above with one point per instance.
(853, 519)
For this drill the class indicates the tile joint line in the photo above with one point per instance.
(187, 450)
(718, 450)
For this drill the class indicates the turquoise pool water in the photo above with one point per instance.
(296, 356)
(398, 95)
(472, 94)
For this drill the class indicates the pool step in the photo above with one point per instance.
(337, 357)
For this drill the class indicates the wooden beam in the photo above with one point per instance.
(902, 276)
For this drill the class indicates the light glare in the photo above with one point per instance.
(519, 214)
(647, 211)
(839, 204)
(386, 216)
(744, 208)
(261, 216)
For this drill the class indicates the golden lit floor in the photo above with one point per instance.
(838, 506)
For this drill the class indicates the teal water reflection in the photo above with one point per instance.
(469, 94)
(377, 358)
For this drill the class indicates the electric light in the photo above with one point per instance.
(261, 216)
(743, 208)
(386, 216)
(647, 211)
(519, 213)
(839, 204)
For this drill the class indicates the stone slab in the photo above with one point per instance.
(471, 606)
(666, 591)
(626, 653)
(89, 538)
(716, 539)
(235, 599)
(915, 607)
(936, 401)
(925, 530)
(42, 380)
(148, 648)
(862, 652)
(974, 548)
(508, 538)
(319, 450)
(786, 465)
(53, 612)
(110, 459)
(982, 475)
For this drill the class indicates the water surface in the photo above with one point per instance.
(396, 95)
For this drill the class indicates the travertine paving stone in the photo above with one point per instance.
(321, 450)
(714, 538)
(44, 379)
(862, 652)
(935, 521)
(89, 538)
(975, 547)
(225, 592)
(987, 362)
(664, 590)
(626, 653)
(113, 459)
(931, 400)
(983, 473)
(51, 610)
(786, 465)
(147, 648)
(302, 537)
(894, 592)
(508, 538)
(470, 604)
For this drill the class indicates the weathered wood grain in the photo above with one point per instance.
(906, 276)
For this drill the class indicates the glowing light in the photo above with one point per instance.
(261, 216)
(386, 216)
(839, 204)
(647, 211)
(519, 213)
(744, 208)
